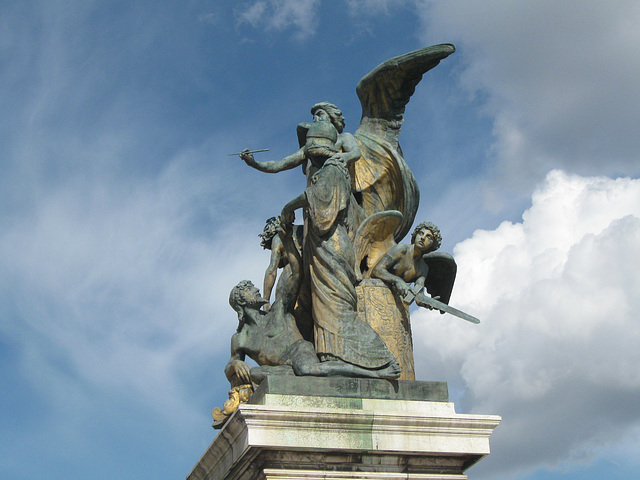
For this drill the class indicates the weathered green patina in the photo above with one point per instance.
(359, 199)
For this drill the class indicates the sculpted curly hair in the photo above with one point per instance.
(237, 297)
(335, 114)
(437, 236)
(268, 233)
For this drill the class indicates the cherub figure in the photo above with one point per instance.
(278, 260)
(418, 263)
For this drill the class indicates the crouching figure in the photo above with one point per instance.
(272, 339)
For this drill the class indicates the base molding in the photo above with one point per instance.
(281, 474)
(308, 437)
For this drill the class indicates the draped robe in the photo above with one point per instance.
(329, 260)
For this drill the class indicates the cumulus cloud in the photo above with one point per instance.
(278, 15)
(556, 353)
(557, 77)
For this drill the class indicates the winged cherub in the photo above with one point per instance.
(418, 263)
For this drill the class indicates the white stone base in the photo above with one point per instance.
(297, 437)
(275, 474)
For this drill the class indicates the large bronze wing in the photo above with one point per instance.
(381, 178)
(385, 91)
(441, 276)
(373, 239)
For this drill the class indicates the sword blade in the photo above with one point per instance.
(443, 307)
(250, 151)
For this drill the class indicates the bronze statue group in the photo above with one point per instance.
(360, 199)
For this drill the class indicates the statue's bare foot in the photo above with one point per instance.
(391, 372)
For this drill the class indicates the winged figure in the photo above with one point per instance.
(400, 265)
(381, 178)
(350, 179)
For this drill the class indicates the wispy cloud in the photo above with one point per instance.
(557, 77)
(368, 8)
(278, 15)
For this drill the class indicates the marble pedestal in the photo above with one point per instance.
(340, 428)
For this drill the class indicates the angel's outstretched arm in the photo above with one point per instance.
(274, 166)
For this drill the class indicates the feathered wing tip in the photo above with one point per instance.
(385, 91)
(442, 275)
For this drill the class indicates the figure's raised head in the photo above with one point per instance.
(245, 294)
(270, 231)
(335, 114)
(436, 236)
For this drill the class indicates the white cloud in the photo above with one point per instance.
(254, 13)
(372, 7)
(559, 78)
(556, 353)
(280, 14)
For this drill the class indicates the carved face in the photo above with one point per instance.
(268, 233)
(252, 297)
(321, 115)
(424, 239)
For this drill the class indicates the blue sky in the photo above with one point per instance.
(124, 224)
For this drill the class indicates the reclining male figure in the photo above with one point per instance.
(272, 338)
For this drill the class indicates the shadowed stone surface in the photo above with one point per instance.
(357, 388)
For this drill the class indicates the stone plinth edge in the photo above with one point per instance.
(302, 437)
(351, 388)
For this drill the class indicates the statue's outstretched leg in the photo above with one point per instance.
(305, 362)
(337, 368)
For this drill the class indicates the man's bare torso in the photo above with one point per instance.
(268, 342)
